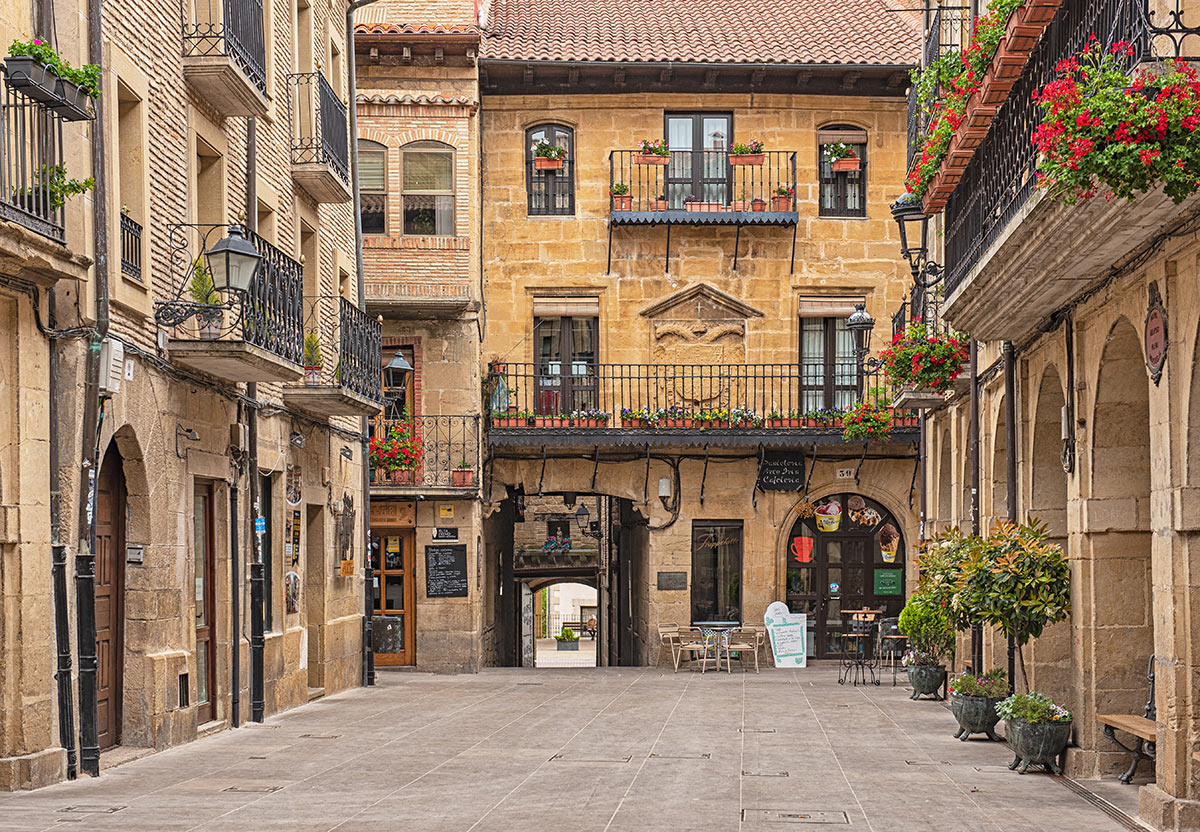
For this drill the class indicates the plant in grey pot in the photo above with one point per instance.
(1037, 730)
(974, 702)
(568, 639)
(930, 639)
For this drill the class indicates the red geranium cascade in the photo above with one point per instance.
(399, 450)
(923, 357)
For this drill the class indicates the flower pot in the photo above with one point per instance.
(918, 397)
(622, 202)
(509, 421)
(703, 207)
(462, 478)
(650, 159)
(568, 645)
(550, 422)
(739, 205)
(37, 80)
(405, 476)
(545, 163)
(746, 158)
(926, 679)
(847, 164)
(589, 423)
(1037, 744)
(677, 422)
(785, 423)
(209, 324)
(660, 204)
(758, 205)
(73, 105)
(312, 376)
(634, 422)
(781, 203)
(975, 715)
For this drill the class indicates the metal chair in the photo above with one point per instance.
(744, 641)
(892, 644)
(858, 657)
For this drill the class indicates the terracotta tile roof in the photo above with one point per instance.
(414, 29)
(704, 31)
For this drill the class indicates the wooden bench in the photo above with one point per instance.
(1143, 729)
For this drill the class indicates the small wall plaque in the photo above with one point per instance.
(135, 553)
(445, 534)
(672, 580)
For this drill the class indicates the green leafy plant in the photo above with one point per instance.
(990, 685)
(312, 350)
(837, 151)
(201, 287)
(87, 76)
(785, 190)
(464, 465)
(52, 181)
(927, 629)
(940, 566)
(619, 189)
(867, 421)
(567, 634)
(1099, 131)
(653, 147)
(1034, 708)
(544, 149)
(750, 148)
(923, 357)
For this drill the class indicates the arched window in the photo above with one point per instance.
(372, 185)
(550, 192)
(843, 191)
(427, 188)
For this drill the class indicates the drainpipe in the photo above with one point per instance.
(973, 461)
(85, 559)
(1010, 474)
(257, 584)
(235, 600)
(368, 647)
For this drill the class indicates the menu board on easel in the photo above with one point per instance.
(788, 633)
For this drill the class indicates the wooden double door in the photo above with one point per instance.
(393, 626)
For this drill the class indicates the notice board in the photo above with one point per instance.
(446, 571)
(781, 471)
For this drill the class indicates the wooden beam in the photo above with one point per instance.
(528, 75)
(619, 78)
(406, 54)
(897, 78)
(573, 76)
(373, 54)
(439, 55)
(850, 79)
(710, 77)
(803, 77)
(757, 77)
(666, 75)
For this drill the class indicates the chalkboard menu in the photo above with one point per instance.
(446, 571)
(781, 471)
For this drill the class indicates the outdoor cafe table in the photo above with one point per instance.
(858, 643)
(718, 631)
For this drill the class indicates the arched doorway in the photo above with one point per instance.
(845, 551)
(110, 596)
(560, 605)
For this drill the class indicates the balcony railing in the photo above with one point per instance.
(349, 342)
(1000, 177)
(271, 311)
(131, 248)
(949, 30)
(318, 123)
(31, 163)
(702, 187)
(233, 28)
(449, 456)
(766, 397)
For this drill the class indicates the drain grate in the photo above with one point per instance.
(793, 816)
(1100, 803)
(993, 769)
(566, 758)
(530, 684)
(765, 773)
(927, 762)
(704, 756)
(258, 757)
(756, 730)
(319, 736)
(92, 810)
(253, 789)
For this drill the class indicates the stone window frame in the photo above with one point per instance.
(841, 183)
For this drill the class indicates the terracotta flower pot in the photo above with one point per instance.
(739, 205)
(622, 202)
(650, 159)
(703, 207)
(546, 163)
(847, 164)
(589, 423)
(736, 159)
(660, 204)
(462, 478)
(758, 205)
(312, 376)
(781, 203)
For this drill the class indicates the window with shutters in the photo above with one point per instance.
(843, 193)
(372, 185)
(427, 187)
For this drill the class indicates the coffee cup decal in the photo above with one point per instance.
(802, 549)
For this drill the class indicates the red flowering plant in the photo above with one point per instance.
(399, 450)
(945, 86)
(867, 421)
(1099, 129)
(922, 356)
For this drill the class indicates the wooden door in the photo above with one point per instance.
(205, 584)
(110, 598)
(393, 557)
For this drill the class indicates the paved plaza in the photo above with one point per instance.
(622, 750)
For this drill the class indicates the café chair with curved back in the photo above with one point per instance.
(745, 641)
(892, 644)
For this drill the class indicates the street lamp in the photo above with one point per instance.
(233, 262)
(396, 374)
(861, 324)
(582, 516)
(914, 240)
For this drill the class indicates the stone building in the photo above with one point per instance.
(643, 339)
(1093, 306)
(222, 113)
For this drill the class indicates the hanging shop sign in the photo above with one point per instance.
(1155, 335)
(400, 513)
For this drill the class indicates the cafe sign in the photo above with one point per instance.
(1155, 335)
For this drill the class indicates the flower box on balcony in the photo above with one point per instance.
(737, 159)
(698, 207)
(73, 103)
(590, 422)
(37, 80)
(848, 164)
(650, 159)
(1039, 12)
(462, 478)
(676, 422)
(405, 476)
(510, 421)
(551, 421)
(546, 163)
(634, 422)
(739, 205)
(660, 204)
(789, 422)
(918, 398)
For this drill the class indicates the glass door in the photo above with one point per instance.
(393, 625)
(566, 365)
(699, 167)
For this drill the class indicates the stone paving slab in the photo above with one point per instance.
(586, 750)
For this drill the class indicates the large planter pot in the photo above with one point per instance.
(568, 645)
(926, 679)
(1041, 744)
(312, 375)
(975, 715)
(37, 80)
(209, 324)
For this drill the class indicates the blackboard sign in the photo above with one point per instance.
(446, 571)
(445, 534)
(781, 471)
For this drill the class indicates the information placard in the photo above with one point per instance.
(788, 632)
(446, 571)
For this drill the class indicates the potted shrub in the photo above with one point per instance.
(1037, 730)
(930, 639)
(841, 157)
(313, 361)
(548, 156)
(622, 201)
(781, 200)
(33, 68)
(464, 475)
(747, 153)
(568, 639)
(202, 291)
(589, 418)
(867, 422)
(973, 702)
(652, 152)
(923, 363)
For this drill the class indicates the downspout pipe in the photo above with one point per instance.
(257, 583)
(85, 558)
(368, 647)
(1010, 472)
(973, 462)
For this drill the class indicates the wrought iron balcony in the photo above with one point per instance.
(257, 336)
(31, 165)
(131, 247)
(342, 349)
(320, 162)
(949, 29)
(447, 453)
(1001, 285)
(697, 403)
(224, 54)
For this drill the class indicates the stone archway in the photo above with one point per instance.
(1112, 619)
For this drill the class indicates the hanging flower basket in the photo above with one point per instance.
(546, 163)
(37, 80)
(847, 164)
(923, 358)
(652, 152)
